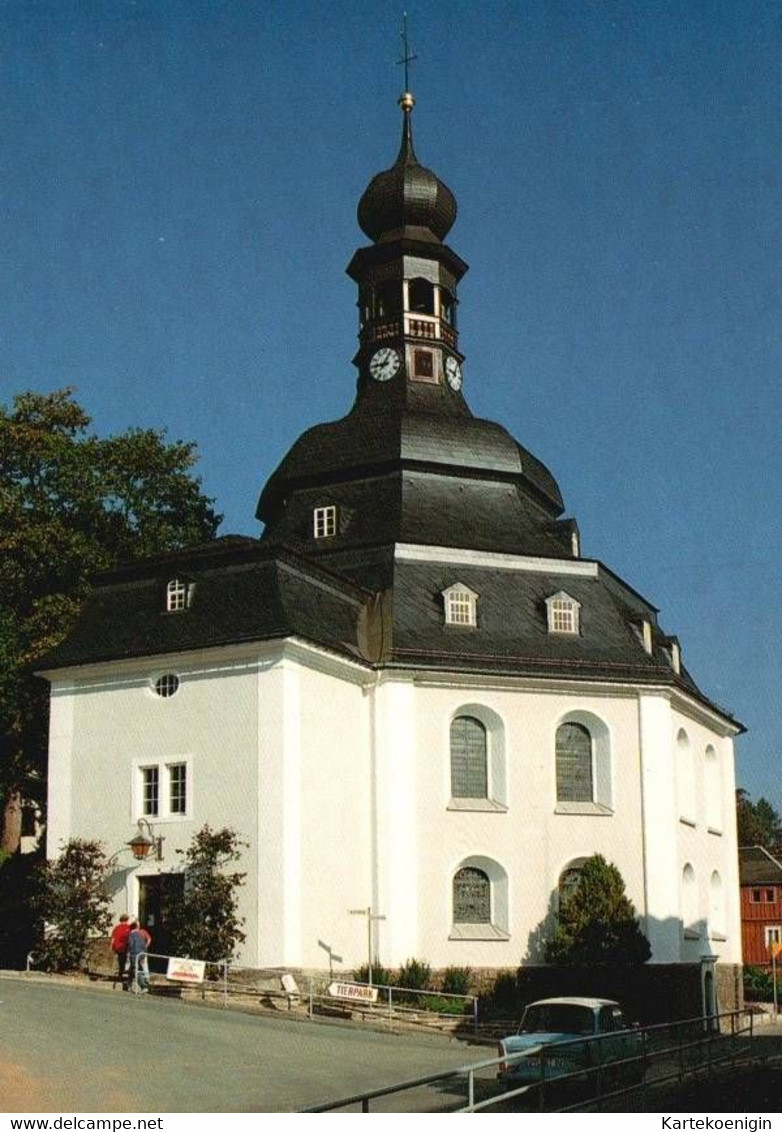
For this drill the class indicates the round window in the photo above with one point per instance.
(166, 685)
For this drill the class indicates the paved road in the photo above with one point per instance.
(66, 1049)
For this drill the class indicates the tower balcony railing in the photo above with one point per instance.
(421, 326)
(411, 326)
(382, 331)
(448, 334)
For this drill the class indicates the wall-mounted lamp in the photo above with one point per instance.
(144, 843)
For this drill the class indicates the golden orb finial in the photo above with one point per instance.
(406, 101)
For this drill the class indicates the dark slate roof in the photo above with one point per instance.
(376, 436)
(408, 197)
(373, 608)
(241, 593)
(512, 635)
(758, 866)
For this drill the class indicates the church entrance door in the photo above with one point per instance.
(154, 898)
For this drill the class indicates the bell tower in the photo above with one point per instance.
(408, 281)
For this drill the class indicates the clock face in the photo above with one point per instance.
(453, 373)
(384, 364)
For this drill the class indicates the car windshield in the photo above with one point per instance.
(557, 1018)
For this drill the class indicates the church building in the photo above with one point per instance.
(411, 695)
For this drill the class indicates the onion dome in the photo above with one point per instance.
(407, 196)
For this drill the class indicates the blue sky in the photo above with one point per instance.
(178, 184)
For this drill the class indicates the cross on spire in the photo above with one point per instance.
(408, 57)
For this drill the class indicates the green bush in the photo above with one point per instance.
(456, 980)
(502, 1001)
(70, 897)
(203, 918)
(439, 1005)
(414, 975)
(381, 976)
(758, 985)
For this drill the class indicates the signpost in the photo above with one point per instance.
(185, 970)
(371, 916)
(776, 950)
(355, 991)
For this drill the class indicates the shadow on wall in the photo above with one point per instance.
(651, 992)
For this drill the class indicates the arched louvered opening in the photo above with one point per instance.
(575, 772)
(469, 772)
(471, 897)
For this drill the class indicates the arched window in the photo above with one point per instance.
(421, 296)
(479, 899)
(569, 879)
(447, 307)
(690, 902)
(471, 897)
(388, 298)
(575, 782)
(685, 777)
(713, 789)
(469, 777)
(716, 905)
(475, 773)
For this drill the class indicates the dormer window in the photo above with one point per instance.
(325, 521)
(563, 613)
(460, 605)
(176, 595)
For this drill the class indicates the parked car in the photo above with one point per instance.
(578, 1025)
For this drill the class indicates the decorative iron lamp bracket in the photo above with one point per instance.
(143, 844)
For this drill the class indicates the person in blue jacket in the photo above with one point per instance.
(139, 940)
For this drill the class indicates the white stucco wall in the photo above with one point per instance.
(339, 779)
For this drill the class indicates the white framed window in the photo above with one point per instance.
(582, 763)
(176, 595)
(163, 789)
(150, 791)
(563, 613)
(772, 934)
(324, 521)
(479, 900)
(477, 778)
(424, 367)
(166, 685)
(469, 772)
(461, 606)
(762, 896)
(177, 788)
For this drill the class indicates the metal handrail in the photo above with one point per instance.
(708, 1037)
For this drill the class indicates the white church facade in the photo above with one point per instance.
(411, 694)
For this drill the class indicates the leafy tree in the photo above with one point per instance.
(758, 822)
(71, 504)
(72, 902)
(203, 920)
(597, 923)
(18, 920)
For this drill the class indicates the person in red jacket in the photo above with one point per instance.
(119, 943)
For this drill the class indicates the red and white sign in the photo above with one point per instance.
(185, 970)
(355, 991)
